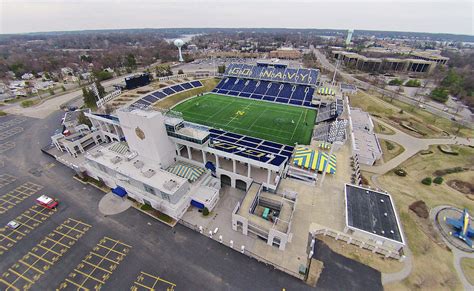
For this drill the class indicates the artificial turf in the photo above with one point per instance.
(271, 121)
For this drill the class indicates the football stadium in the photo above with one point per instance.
(254, 148)
(271, 121)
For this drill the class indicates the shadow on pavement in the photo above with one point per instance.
(341, 273)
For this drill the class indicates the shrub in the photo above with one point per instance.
(438, 180)
(145, 207)
(439, 94)
(426, 181)
(400, 172)
(2, 113)
(27, 103)
(390, 146)
(395, 82)
(413, 83)
(205, 211)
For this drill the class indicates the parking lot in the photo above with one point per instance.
(77, 248)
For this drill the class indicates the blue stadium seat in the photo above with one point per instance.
(150, 98)
(278, 74)
(303, 75)
(196, 84)
(286, 91)
(266, 73)
(256, 72)
(282, 100)
(309, 94)
(290, 75)
(261, 88)
(187, 86)
(239, 85)
(159, 94)
(250, 87)
(299, 92)
(168, 91)
(233, 93)
(229, 83)
(244, 94)
(296, 102)
(313, 77)
(256, 96)
(273, 90)
(177, 88)
(221, 83)
(269, 98)
(222, 91)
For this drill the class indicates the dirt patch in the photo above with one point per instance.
(420, 208)
(449, 171)
(461, 186)
(314, 272)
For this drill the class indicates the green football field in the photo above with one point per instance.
(271, 121)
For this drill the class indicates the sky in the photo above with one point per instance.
(445, 16)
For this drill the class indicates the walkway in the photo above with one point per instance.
(412, 146)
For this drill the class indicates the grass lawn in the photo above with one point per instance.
(440, 274)
(395, 112)
(276, 122)
(168, 102)
(379, 128)
(390, 149)
(467, 265)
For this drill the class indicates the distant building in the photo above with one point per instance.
(286, 53)
(366, 64)
(66, 71)
(349, 36)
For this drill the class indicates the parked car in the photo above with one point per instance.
(13, 224)
(47, 202)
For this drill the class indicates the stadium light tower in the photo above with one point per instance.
(179, 43)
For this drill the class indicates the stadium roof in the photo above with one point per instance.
(372, 212)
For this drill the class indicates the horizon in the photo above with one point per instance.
(27, 16)
(236, 28)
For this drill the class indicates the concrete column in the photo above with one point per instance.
(190, 156)
(204, 161)
(177, 149)
(217, 162)
(249, 170)
(234, 166)
(269, 174)
(116, 130)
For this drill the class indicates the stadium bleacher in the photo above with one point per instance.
(275, 83)
(250, 147)
(159, 94)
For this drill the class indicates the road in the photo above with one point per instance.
(468, 122)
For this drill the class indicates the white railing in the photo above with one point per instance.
(108, 97)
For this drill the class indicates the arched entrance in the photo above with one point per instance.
(239, 184)
(225, 180)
